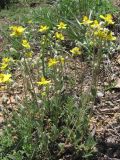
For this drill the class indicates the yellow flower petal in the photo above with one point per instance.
(43, 81)
(43, 28)
(59, 36)
(16, 30)
(62, 25)
(25, 44)
(75, 51)
(107, 18)
(52, 62)
(86, 21)
(5, 78)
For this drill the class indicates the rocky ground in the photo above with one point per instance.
(106, 118)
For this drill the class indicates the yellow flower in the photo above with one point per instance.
(62, 25)
(86, 21)
(6, 60)
(28, 54)
(52, 62)
(3, 66)
(17, 30)
(4, 78)
(101, 33)
(59, 36)
(111, 37)
(108, 18)
(25, 44)
(95, 24)
(105, 34)
(75, 51)
(43, 81)
(43, 28)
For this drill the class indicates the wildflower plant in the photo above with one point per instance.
(54, 113)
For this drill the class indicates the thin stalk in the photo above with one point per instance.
(29, 73)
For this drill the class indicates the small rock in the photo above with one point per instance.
(117, 83)
(1, 108)
(1, 118)
(100, 94)
(110, 140)
(4, 99)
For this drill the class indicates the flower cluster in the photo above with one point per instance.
(5, 63)
(4, 66)
(99, 30)
(105, 34)
(59, 34)
(107, 18)
(95, 30)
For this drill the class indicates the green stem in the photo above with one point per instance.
(29, 73)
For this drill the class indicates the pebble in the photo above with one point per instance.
(100, 94)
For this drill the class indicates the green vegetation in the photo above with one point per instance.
(42, 45)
